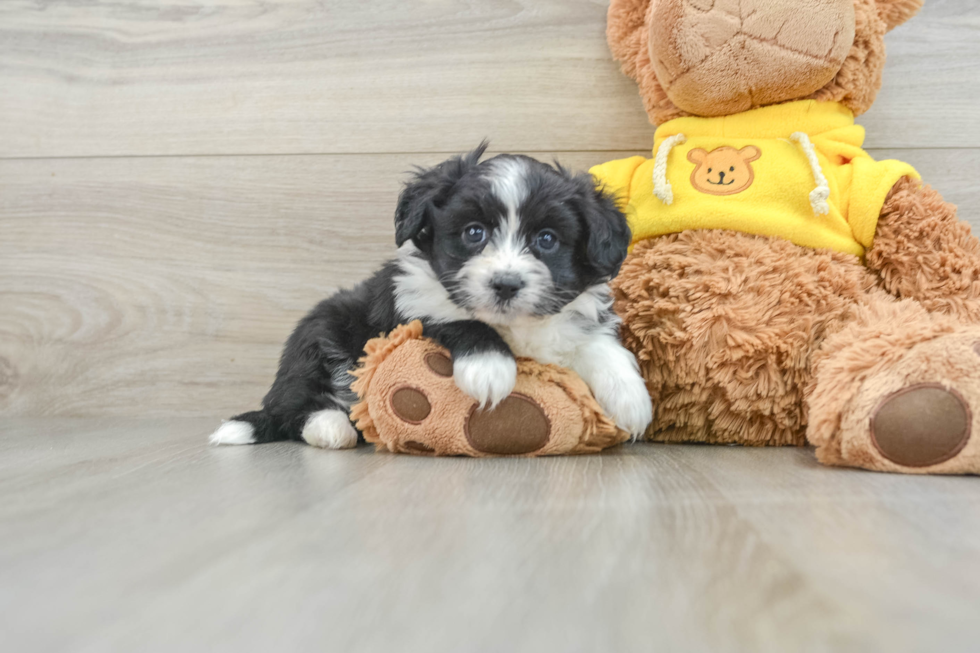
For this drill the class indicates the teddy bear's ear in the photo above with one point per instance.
(697, 155)
(425, 192)
(749, 153)
(625, 27)
(896, 12)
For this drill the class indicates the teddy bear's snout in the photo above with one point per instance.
(739, 55)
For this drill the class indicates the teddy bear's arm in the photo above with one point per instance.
(922, 251)
(616, 177)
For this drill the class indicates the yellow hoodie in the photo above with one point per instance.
(794, 170)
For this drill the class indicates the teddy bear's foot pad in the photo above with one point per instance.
(922, 425)
(517, 426)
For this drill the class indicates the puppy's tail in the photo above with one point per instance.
(256, 427)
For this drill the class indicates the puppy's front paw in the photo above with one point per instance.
(626, 400)
(488, 377)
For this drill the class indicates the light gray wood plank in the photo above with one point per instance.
(300, 76)
(121, 535)
(112, 78)
(161, 286)
(930, 92)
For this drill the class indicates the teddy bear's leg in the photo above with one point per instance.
(723, 326)
(922, 251)
(898, 389)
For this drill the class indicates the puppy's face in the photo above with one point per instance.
(511, 237)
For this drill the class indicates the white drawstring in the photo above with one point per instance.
(820, 194)
(661, 187)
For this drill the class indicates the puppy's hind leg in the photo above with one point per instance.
(327, 427)
(310, 397)
(258, 427)
(330, 428)
(317, 416)
(303, 404)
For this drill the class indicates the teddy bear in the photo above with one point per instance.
(409, 403)
(782, 286)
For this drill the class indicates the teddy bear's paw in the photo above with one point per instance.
(488, 377)
(330, 429)
(517, 426)
(415, 403)
(918, 413)
(922, 425)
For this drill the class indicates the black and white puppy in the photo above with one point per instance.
(501, 258)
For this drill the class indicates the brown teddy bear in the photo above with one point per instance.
(409, 403)
(783, 287)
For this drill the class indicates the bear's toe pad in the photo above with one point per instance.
(922, 425)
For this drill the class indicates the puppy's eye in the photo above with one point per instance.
(732, 169)
(709, 169)
(547, 240)
(474, 233)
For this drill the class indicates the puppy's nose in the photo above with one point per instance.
(506, 285)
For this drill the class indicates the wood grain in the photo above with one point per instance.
(105, 78)
(123, 535)
(161, 286)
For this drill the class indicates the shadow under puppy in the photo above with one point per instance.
(504, 257)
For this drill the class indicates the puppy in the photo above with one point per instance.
(508, 257)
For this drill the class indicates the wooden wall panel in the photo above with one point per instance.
(180, 182)
(160, 286)
(301, 76)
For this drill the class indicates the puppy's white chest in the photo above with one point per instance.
(553, 340)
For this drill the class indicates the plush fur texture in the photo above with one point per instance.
(888, 346)
(498, 258)
(923, 251)
(724, 324)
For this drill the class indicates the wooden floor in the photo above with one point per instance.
(181, 181)
(124, 535)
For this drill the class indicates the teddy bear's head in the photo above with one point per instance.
(718, 57)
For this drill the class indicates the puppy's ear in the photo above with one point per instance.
(426, 191)
(607, 232)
